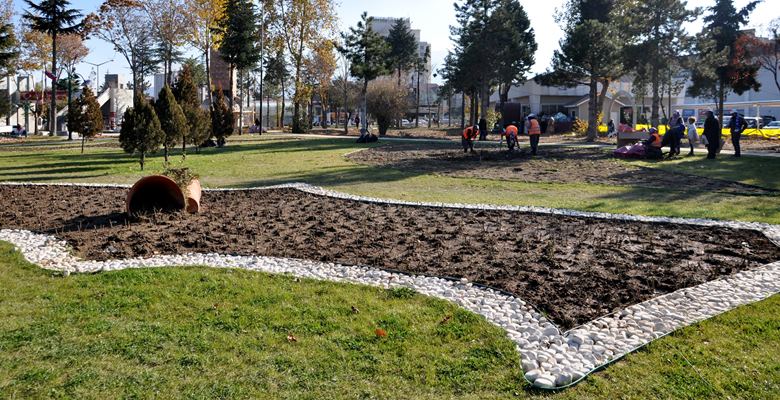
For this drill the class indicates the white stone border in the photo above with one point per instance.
(550, 359)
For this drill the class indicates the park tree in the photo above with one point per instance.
(509, 23)
(54, 18)
(125, 25)
(172, 120)
(239, 47)
(169, 24)
(141, 133)
(203, 18)
(302, 25)
(403, 48)
(367, 53)
(320, 67)
(71, 51)
(590, 54)
(222, 122)
(766, 51)
(420, 67)
(85, 116)
(723, 63)
(198, 119)
(276, 78)
(658, 43)
(386, 102)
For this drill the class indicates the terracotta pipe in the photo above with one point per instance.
(193, 196)
(155, 192)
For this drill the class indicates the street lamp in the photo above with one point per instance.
(97, 83)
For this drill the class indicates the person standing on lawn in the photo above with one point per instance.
(483, 130)
(737, 125)
(534, 131)
(469, 134)
(712, 133)
(693, 134)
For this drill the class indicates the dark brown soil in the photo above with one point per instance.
(574, 269)
(552, 165)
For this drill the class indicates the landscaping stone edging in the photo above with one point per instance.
(550, 360)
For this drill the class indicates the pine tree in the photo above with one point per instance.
(590, 54)
(367, 53)
(722, 65)
(141, 132)
(85, 116)
(198, 122)
(403, 48)
(54, 18)
(172, 120)
(239, 47)
(222, 121)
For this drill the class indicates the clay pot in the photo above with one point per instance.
(194, 191)
(158, 192)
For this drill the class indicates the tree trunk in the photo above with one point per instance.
(53, 104)
(463, 110)
(281, 118)
(165, 152)
(240, 102)
(593, 129)
(232, 94)
(82, 143)
(364, 108)
(208, 69)
(654, 112)
(70, 104)
(267, 113)
(143, 160)
(417, 104)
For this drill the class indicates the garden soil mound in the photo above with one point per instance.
(573, 269)
(553, 165)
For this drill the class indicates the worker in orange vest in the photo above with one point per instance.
(653, 145)
(469, 134)
(534, 131)
(511, 136)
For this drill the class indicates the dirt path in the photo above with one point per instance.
(553, 165)
(574, 269)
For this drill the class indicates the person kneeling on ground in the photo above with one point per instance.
(534, 131)
(653, 145)
(469, 134)
(511, 136)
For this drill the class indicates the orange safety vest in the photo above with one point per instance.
(469, 133)
(534, 128)
(511, 130)
(656, 140)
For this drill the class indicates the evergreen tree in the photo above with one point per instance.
(722, 64)
(658, 42)
(85, 116)
(222, 121)
(172, 120)
(8, 55)
(515, 43)
(276, 76)
(239, 48)
(141, 132)
(54, 18)
(403, 48)
(367, 53)
(198, 122)
(590, 54)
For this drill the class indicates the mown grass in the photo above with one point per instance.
(280, 159)
(223, 334)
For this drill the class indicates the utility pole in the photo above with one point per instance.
(262, 57)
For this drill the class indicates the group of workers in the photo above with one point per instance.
(711, 137)
(511, 132)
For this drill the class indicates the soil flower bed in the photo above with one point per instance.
(574, 269)
(553, 165)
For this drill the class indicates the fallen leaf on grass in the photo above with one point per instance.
(292, 338)
(380, 332)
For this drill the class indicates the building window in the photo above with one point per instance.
(552, 109)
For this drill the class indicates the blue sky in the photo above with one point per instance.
(432, 17)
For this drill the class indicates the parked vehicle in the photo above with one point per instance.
(773, 125)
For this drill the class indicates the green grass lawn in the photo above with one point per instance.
(281, 159)
(206, 334)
